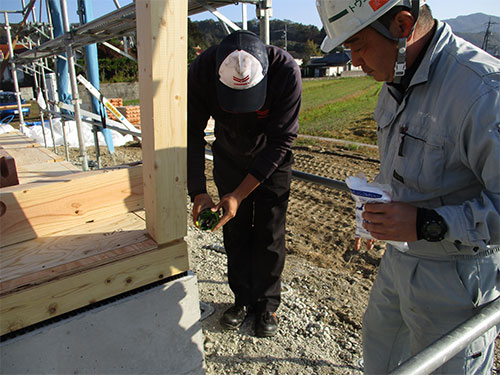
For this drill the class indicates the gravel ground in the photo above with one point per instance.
(315, 335)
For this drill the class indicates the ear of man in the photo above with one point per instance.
(402, 24)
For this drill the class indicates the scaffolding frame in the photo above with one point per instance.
(118, 23)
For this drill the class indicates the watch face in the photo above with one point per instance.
(433, 231)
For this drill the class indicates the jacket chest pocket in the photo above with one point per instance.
(420, 160)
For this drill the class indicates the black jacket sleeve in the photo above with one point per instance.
(199, 84)
(283, 103)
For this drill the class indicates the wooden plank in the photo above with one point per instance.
(4, 107)
(62, 270)
(16, 139)
(38, 210)
(162, 51)
(33, 156)
(25, 150)
(33, 162)
(40, 302)
(41, 173)
(42, 258)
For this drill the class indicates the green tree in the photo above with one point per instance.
(310, 49)
(195, 41)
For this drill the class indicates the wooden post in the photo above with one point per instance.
(162, 52)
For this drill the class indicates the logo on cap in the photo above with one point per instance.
(240, 70)
(240, 81)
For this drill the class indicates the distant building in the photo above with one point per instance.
(333, 65)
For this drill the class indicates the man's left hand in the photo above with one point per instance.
(395, 221)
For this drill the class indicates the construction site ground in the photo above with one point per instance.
(326, 283)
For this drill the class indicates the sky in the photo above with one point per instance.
(300, 11)
(304, 11)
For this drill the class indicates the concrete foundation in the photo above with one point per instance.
(156, 331)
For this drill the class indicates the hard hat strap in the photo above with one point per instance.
(382, 29)
(400, 67)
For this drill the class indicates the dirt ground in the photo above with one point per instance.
(320, 231)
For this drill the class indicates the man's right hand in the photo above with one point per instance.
(201, 202)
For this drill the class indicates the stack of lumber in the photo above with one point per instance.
(70, 238)
(132, 113)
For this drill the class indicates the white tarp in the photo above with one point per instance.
(35, 132)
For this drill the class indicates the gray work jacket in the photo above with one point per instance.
(440, 144)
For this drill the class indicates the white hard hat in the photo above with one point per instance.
(344, 18)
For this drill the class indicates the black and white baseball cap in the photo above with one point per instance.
(242, 65)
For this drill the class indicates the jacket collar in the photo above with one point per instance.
(442, 33)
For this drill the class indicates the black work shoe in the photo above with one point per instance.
(266, 324)
(233, 317)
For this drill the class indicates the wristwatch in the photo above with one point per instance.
(430, 225)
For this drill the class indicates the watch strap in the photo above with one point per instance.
(420, 222)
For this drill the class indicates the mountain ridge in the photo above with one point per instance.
(473, 23)
(473, 27)
(303, 41)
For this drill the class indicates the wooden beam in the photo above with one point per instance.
(38, 210)
(13, 106)
(35, 304)
(162, 51)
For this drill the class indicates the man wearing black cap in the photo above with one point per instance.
(253, 92)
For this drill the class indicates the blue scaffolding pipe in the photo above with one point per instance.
(86, 15)
(62, 65)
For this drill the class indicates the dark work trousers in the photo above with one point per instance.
(255, 238)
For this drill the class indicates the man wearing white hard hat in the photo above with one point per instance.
(438, 117)
(253, 92)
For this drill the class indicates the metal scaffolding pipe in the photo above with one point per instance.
(44, 80)
(267, 33)
(339, 185)
(45, 98)
(14, 73)
(42, 96)
(74, 87)
(244, 16)
(38, 90)
(303, 176)
(226, 22)
(438, 353)
(264, 11)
